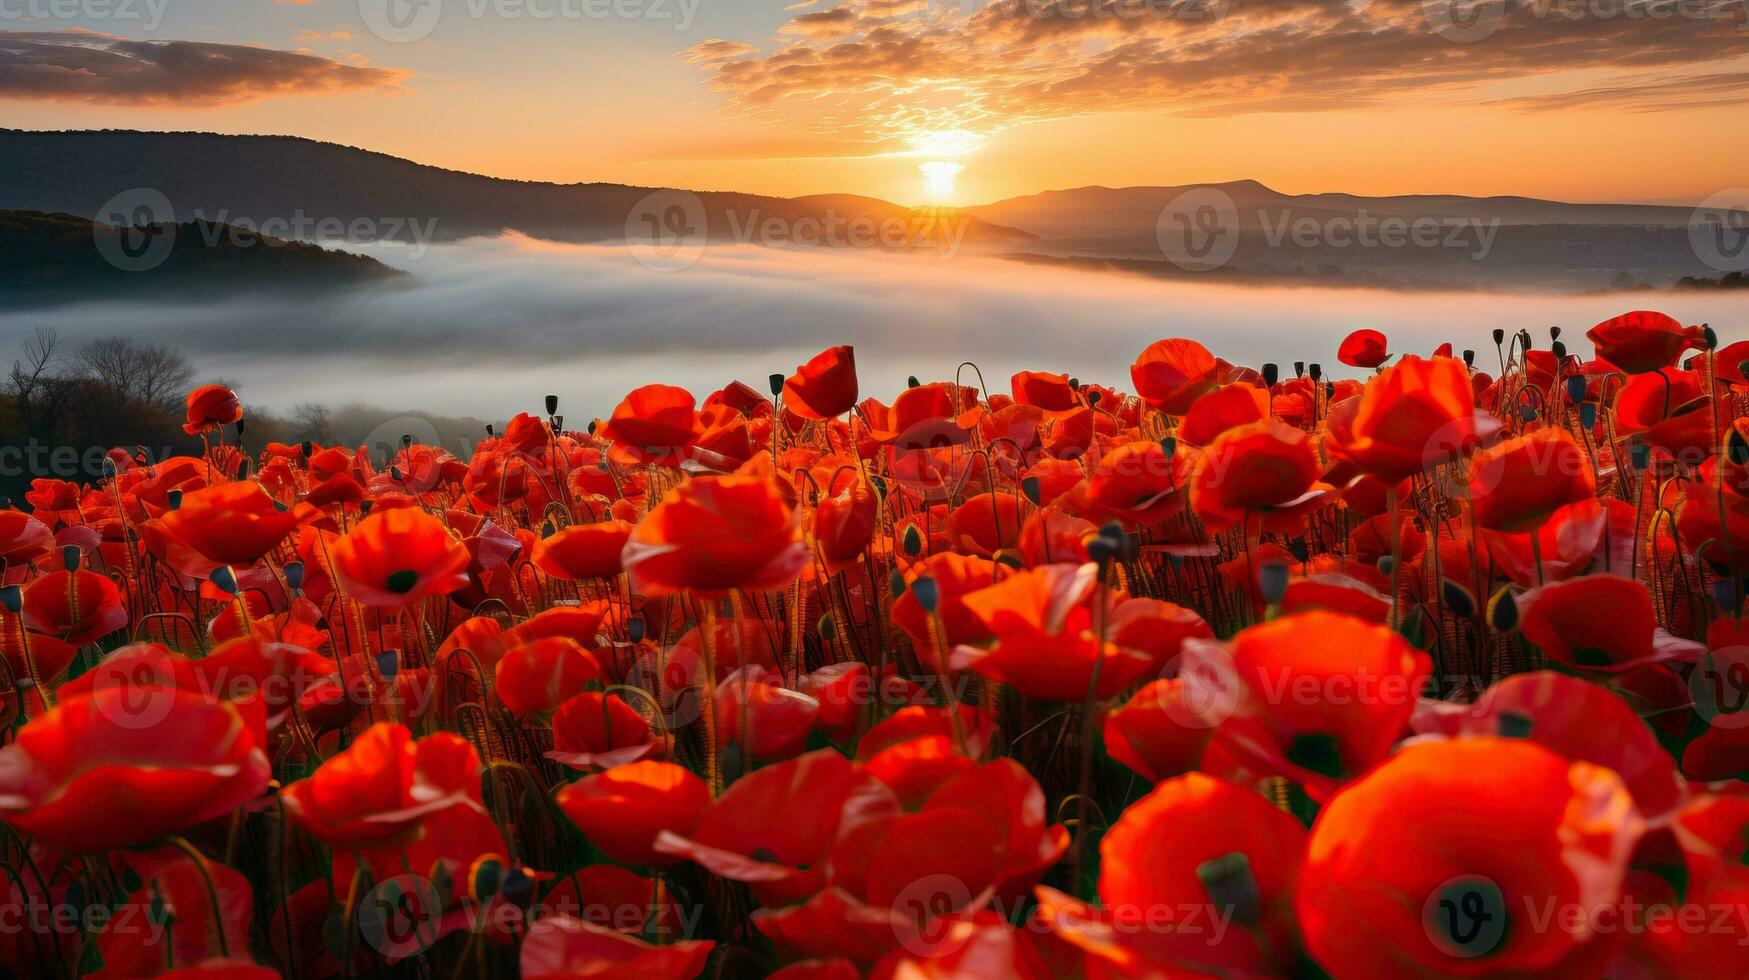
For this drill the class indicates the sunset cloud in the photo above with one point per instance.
(85, 66)
(896, 74)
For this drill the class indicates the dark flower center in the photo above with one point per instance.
(402, 582)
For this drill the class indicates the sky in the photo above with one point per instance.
(933, 101)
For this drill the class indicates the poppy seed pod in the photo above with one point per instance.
(225, 579)
(174, 499)
(635, 629)
(1316, 371)
(552, 404)
(1576, 389)
(294, 575)
(775, 382)
(1093, 399)
(12, 598)
(1271, 373)
(389, 664)
(1470, 358)
(1554, 333)
(912, 382)
(1499, 336)
(928, 595)
(70, 556)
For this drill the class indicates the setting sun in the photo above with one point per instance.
(939, 177)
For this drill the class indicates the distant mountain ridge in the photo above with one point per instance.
(1092, 212)
(279, 178)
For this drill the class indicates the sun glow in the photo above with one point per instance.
(939, 177)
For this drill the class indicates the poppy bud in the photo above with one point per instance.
(1272, 580)
(1299, 369)
(1588, 415)
(389, 664)
(1169, 446)
(239, 426)
(1231, 886)
(1554, 333)
(70, 557)
(174, 499)
(1559, 348)
(1100, 550)
(592, 424)
(1742, 366)
(489, 429)
(1641, 454)
(294, 575)
(1576, 389)
(928, 593)
(1316, 371)
(518, 888)
(635, 629)
(1271, 372)
(1712, 336)
(1527, 413)
(825, 627)
(1457, 598)
(1029, 486)
(1330, 389)
(1093, 399)
(12, 597)
(1074, 384)
(1469, 358)
(308, 449)
(1514, 725)
(364, 505)
(1503, 610)
(395, 473)
(243, 470)
(912, 382)
(913, 541)
(896, 584)
(880, 486)
(486, 878)
(776, 383)
(552, 404)
(1299, 549)
(225, 579)
(1386, 564)
(1499, 336)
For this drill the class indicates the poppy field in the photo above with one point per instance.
(1431, 664)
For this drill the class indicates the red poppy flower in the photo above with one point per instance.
(982, 945)
(1574, 539)
(1193, 851)
(212, 906)
(825, 387)
(583, 551)
(1267, 468)
(1599, 622)
(397, 557)
(383, 785)
(1414, 414)
(600, 731)
(23, 538)
(537, 677)
(559, 947)
(1224, 408)
(1643, 341)
(761, 716)
(981, 834)
(211, 406)
(624, 809)
(1050, 392)
(844, 523)
(1172, 374)
(230, 524)
(780, 860)
(526, 433)
(931, 416)
(1136, 483)
(1323, 696)
(1158, 733)
(1045, 647)
(1517, 485)
(74, 607)
(654, 424)
(126, 766)
(985, 524)
(1521, 832)
(1364, 349)
(714, 534)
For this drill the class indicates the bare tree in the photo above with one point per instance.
(32, 374)
(314, 421)
(152, 373)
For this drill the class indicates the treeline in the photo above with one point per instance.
(64, 406)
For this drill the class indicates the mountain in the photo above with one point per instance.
(1097, 212)
(283, 182)
(52, 258)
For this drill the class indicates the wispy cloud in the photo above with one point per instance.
(86, 66)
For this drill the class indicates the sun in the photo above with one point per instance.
(939, 177)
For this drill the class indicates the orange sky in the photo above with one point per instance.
(1549, 99)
